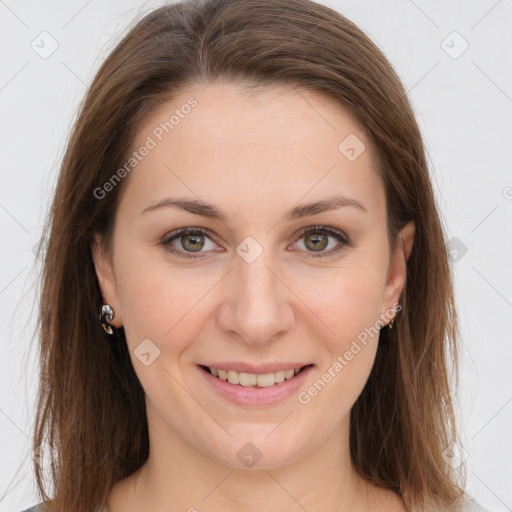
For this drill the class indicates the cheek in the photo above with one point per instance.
(158, 314)
(349, 307)
(163, 303)
(347, 300)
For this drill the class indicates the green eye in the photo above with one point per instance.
(192, 240)
(316, 240)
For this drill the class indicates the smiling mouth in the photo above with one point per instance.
(253, 380)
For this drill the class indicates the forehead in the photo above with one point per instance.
(271, 144)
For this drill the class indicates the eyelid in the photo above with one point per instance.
(187, 231)
(328, 229)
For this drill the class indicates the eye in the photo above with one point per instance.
(188, 242)
(316, 240)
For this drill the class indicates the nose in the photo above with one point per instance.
(258, 306)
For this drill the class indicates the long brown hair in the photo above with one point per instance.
(91, 406)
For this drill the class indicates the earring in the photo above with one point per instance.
(106, 316)
(390, 325)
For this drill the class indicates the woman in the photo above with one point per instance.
(246, 205)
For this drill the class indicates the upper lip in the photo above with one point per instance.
(259, 369)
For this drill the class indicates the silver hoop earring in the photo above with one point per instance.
(106, 316)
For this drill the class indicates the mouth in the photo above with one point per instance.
(254, 380)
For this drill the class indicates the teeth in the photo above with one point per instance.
(248, 379)
(265, 380)
(233, 377)
(279, 376)
(252, 379)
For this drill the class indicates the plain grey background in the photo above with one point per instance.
(455, 59)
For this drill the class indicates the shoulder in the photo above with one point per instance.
(36, 508)
(40, 507)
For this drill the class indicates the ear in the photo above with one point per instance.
(397, 273)
(106, 278)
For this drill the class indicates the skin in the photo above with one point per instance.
(254, 156)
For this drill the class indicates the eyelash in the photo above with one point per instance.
(340, 237)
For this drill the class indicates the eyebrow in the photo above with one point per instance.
(210, 211)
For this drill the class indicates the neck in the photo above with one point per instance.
(177, 476)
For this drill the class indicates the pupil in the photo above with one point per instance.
(319, 241)
(195, 241)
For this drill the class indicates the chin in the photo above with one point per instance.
(255, 449)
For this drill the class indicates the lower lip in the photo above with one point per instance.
(246, 396)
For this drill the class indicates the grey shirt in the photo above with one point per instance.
(41, 508)
(471, 506)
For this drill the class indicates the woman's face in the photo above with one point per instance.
(290, 269)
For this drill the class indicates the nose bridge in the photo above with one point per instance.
(258, 307)
(258, 286)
